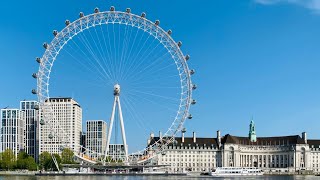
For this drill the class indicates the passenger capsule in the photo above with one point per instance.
(190, 116)
(187, 57)
(50, 136)
(128, 10)
(36, 107)
(45, 45)
(143, 15)
(169, 32)
(34, 75)
(112, 8)
(42, 122)
(34, 91)
(184, 130)
(192, 71)
(194, 87)
(38, 60)
(96, 10)
(193, 102)
(55, 33)
(179, 44)
(81, 14)
(157, 22)
(67, 22)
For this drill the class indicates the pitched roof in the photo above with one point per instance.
(188, 142)
(230, 139)
(277, 140)
(314, 142)
(199, 141)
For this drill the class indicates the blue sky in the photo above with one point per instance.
(255, 59)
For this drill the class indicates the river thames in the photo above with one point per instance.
(153, 177)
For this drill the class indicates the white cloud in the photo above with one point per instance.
(309, 4)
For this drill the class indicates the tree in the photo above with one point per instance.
(58, 158)
(1, 160)
(44, 160)
(8, 159)
(24, 161)
(67, 156)
(21, 160)
(31, 164)
(47, 163)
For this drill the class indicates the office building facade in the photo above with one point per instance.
(66, 124)
(31, 127)
(96, 137)
(12, 130)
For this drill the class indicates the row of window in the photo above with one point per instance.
(200, 156)
(196, 160)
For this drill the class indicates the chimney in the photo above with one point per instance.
(151, 137)
(182, 135)
(182, 138)
(194, 137)
(218, 138)
(304, 137)
(160, 135)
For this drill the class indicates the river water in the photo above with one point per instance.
(153, 178)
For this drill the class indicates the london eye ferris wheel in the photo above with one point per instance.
(95, 55)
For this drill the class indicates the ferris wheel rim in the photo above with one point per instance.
(68, 33)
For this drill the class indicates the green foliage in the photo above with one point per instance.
(46, 161)
(31, 165)
(67, 156)
(21, 160)
(24, 161)
(8, 160)
(58, 158)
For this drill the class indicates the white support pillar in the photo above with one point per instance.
(110, 129)
(123, 132)
(116, 104)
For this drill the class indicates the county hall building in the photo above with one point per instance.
(280, 153)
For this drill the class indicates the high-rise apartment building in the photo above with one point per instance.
(31, 127)
(12, 130)
(96, 137)
(83, 141)
(66, 123)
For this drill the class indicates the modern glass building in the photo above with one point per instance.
(96, 137)
(32, 127)
(117, 152)
(12, 130)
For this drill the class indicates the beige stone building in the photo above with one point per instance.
(277, 154)
(67, 122)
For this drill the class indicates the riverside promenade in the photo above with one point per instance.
(18, 173)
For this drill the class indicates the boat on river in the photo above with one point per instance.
(236, 171)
